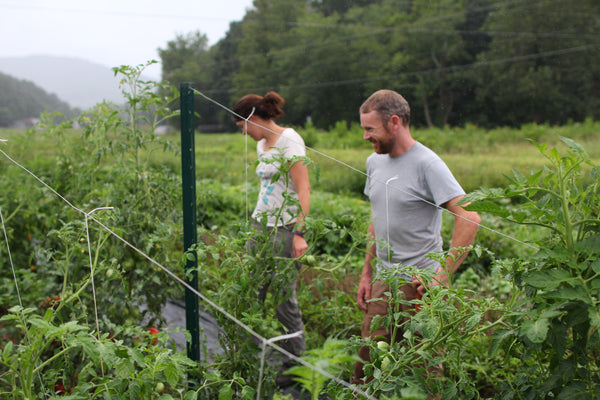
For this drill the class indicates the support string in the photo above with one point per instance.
(12, 266)
(87, 234)
(387, 218)
(246, 161)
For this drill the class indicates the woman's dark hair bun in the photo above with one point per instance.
(273, 104)
(267, 107)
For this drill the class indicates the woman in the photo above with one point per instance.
(282, 203)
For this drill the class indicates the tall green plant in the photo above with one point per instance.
(127, 129)
(146, 105)
(247, 262)
(331, 358)
(555, 330)
(100, 165)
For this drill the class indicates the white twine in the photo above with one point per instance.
(12, 266)
(87, 234)
(245, 131)
(387, 217)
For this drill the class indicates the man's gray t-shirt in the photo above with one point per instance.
(404, 192)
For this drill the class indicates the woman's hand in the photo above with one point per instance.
(299, 246)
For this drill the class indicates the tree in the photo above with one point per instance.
(340, 7)
(539, 64)
(224, 68)
(465, 78)
(184, 58)
(322, 63)
(433, 46)
(324, 70)
(187, 59)
(489, 62)
(266, 31)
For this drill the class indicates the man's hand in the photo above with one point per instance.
(364, 292)
(366, 278)
(440, 278)
(299, 246)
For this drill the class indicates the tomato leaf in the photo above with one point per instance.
(488, 207)
(226, 393)
(547, 279)
(535, 330)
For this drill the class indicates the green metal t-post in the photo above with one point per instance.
(190, 235)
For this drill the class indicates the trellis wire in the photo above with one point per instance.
(264, 341)
(87, 235)
(246, 160)
(12, 266)
(387, 218)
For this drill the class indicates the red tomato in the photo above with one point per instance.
(153, 331)
(59, 388)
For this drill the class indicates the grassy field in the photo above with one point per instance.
(477, 157)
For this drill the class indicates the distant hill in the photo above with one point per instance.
(80, 83)
(22, 102)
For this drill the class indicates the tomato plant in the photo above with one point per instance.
(556, 333)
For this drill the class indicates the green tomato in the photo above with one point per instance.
(386, 363)
(381, 345)
(109, 273)
(310, 260)
(160, 387)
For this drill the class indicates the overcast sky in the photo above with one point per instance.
(110, 32)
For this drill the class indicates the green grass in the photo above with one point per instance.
(477, 157)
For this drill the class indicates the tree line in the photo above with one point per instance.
(21, 100)
(484, 62)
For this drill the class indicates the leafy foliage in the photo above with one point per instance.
(457, 62)
(110, 146)
(68, 358)
(556, 330)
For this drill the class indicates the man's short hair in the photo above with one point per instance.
(387, 103)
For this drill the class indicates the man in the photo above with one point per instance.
(407, 185)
